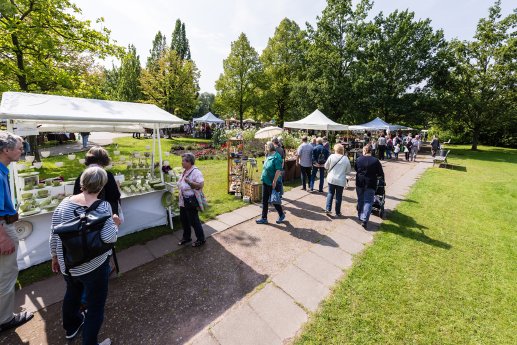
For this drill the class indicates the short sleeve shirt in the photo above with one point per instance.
(305, 154)
(6, 204)
(271, 165)
(194, 175)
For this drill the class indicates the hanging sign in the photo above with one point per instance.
(23, 129)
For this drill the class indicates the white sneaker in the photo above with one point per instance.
(106, 341)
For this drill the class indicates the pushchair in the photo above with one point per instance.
(379, 198)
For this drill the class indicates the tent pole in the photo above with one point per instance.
(160, 152)
(12, 167)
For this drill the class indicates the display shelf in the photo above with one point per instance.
(236, 166)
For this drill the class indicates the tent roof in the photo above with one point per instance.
(208, 117)
(317, 121)
(45, 108)
(376, 124)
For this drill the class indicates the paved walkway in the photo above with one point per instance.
(250, 284)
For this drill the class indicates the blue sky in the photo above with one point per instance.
(212, 25)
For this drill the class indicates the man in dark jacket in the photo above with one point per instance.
(319, 156)
(368, 169)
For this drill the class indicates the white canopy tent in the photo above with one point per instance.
(377, 124)
(316, 121)
(208, 118)
(50, 127)
(29, 108)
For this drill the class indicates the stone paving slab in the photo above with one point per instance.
(231, 219)
(243, 326)
(345, 243)
(249, 212)
(302, 287)
(318, 268)
(217, 225)
(30, 298)
(133, 257)
(355, 231)
(162, 246)
(204, 338)
(332, 254)
(279, 311)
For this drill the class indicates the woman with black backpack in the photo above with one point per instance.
(90, 276)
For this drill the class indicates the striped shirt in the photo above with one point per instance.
(65, 212)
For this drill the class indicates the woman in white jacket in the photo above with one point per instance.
(338, 166)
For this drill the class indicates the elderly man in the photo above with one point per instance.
(304, 159)
(11, 148)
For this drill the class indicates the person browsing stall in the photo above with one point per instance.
(271, 172)
(189, 185)
(11, 148)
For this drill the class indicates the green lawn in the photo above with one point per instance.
(442, 270)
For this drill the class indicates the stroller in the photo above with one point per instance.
(379, 198)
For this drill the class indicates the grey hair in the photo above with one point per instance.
(270, 147)
(189, 157)
(93, 180)
(9, 140)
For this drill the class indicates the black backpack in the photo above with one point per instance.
(81, 236)
(321, 158)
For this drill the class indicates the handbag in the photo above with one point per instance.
(275, 198)
(81, 236)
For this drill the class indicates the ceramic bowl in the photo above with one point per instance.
(37, 165)
(44, 154)
(59, 164)
(30, 159)
(82, 160)
(71, 157)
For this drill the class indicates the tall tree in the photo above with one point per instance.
(283, 61)
(45, 48)
(158, 47)
(398, 56)
(205, 103)
(179, 41)
(172, 85)
(128, 88)
(242, 72)
(481, 90)
(332, 55)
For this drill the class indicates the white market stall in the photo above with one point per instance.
(377, 124)
(316, 121)
(33, 112)
(208, 118)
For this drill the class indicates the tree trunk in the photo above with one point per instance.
(475, 138)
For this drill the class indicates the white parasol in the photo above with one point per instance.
(268, 132)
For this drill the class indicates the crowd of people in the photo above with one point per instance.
(87, 282)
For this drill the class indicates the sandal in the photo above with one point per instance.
(17, 320)
(182, 242)
(198, 243)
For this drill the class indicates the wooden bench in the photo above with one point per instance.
(442, 158)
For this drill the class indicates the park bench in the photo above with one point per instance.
(441, 158)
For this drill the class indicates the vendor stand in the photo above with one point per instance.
(141, 202)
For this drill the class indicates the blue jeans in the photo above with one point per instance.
(364, 202)
(388, 153)
(95, 284)
(338, 192)
(85, 140)
(313, 177)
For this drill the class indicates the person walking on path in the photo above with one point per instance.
(408, 144)
(368, 169)
(11, 149)
(415, 147)
(91, 276)
(435, 145)
(84, 137)
(389, 148)
(382, 146)
(338, 166)
(191, 181)
(271, 172)
(304, 159)
(319, 156)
